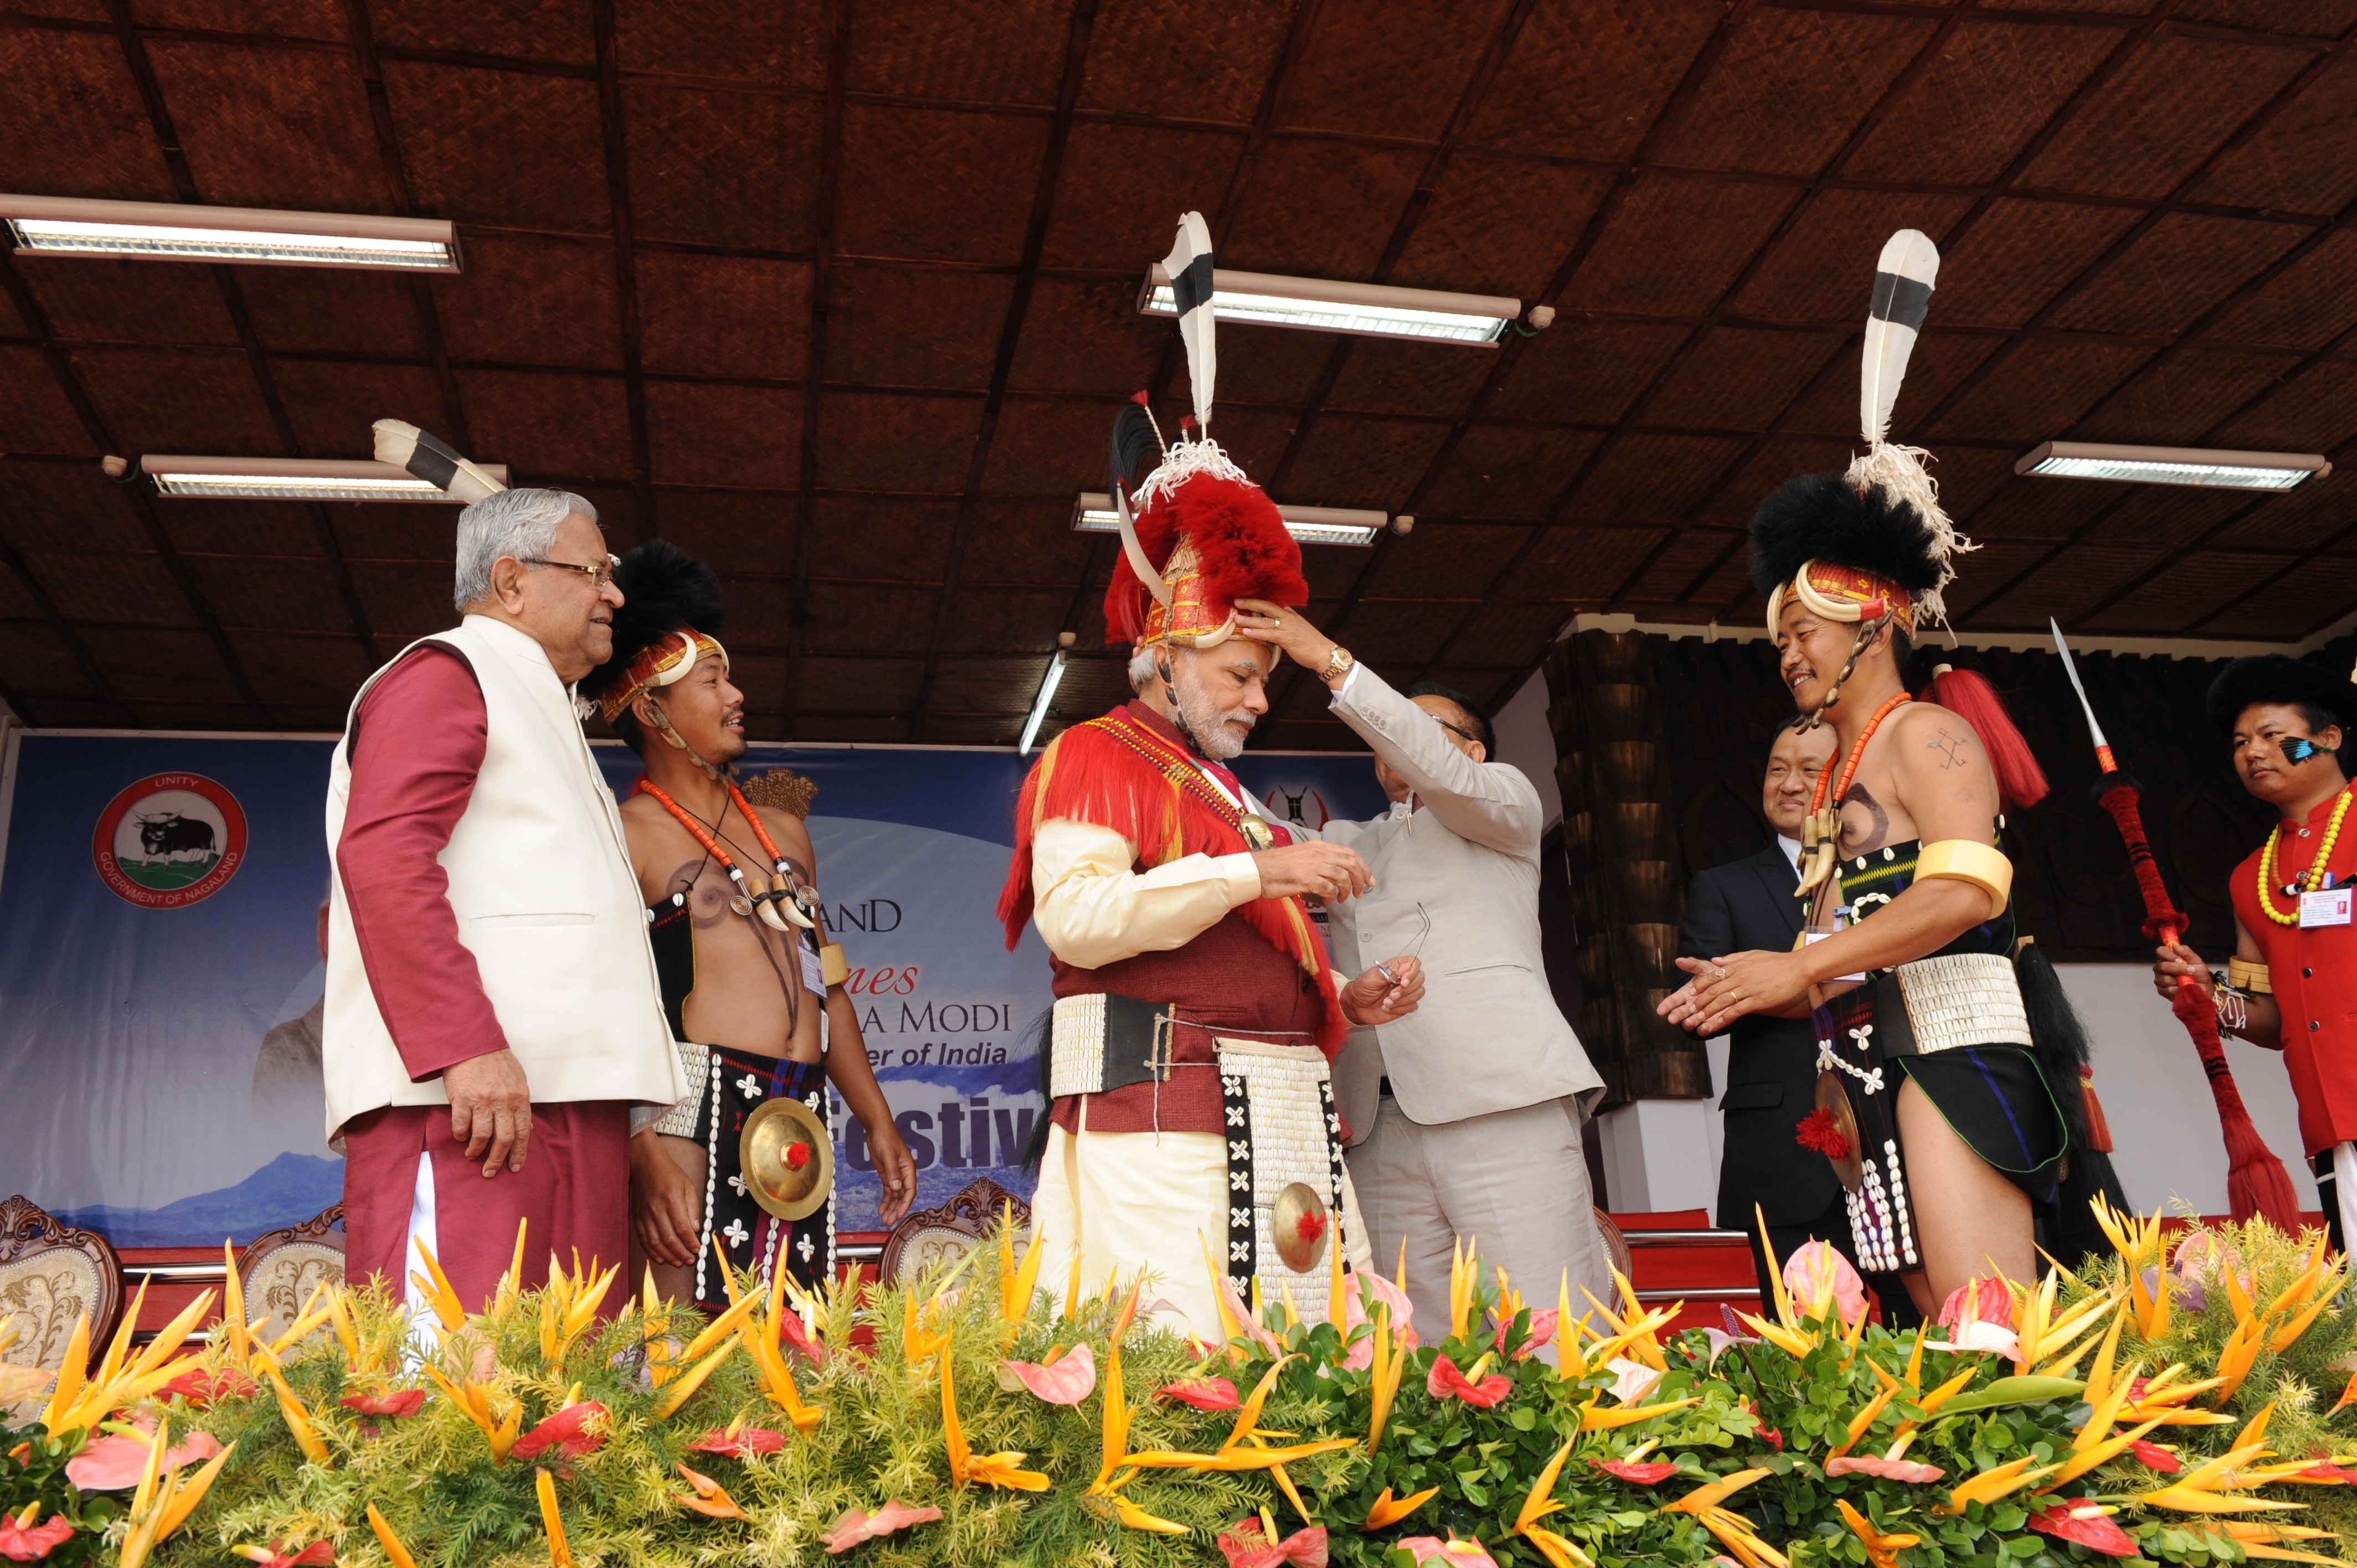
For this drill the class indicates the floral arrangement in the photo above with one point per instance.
(2169, 1403)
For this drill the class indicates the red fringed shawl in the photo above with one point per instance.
(1129, 771)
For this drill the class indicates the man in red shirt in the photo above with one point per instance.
(492, 1021)
(2295, 959)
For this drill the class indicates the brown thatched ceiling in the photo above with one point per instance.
(841, 296)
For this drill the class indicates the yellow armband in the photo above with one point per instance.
(2245, 975)
(832, 967)
(1966, 860)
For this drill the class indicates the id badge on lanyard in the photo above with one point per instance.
(2326, 907)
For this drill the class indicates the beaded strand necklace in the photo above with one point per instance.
(2314, 872)
(1820, 838)
(789, 889)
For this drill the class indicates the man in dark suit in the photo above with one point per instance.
(1749, 906)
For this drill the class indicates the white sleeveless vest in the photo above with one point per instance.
(546, 901)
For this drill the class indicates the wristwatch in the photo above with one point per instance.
(1339, 663)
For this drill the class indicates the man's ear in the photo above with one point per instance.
(507, 583)
(1478, 752)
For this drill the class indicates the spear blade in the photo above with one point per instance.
(2070, 668)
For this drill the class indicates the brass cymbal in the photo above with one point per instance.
(788, 1159)
(1297, 1223)
(1834, 1100)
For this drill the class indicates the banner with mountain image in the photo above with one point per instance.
(160, 968)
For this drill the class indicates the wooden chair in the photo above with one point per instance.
(932, 1236)
(283, 1267)
(1615, 1246)
(52, 1276)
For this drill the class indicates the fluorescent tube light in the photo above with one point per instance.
(174, 231)
(1048, 685)
(1319, 304)
(2174, 466)
(1094, 513)
(296, 479)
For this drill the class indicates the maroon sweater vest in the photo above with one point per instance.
(1228, 981)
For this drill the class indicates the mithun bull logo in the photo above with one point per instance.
(169, 835)
(169, 841)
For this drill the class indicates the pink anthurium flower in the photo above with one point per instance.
(200, 1387)
(2154, 1457)
(318, 1554)
(857, 1524)
(741, 1444)
(1203, 1393)
(2087, 1524)
(21, 1540)
(1817, 1274)
(1905, 1470)
(795, 1332)
(1541, 1330)
(575, 1430)
(1066, 1379)
(114, 1461)
(1631, 1380)
(1643, 1472)
(1451, 1553)
(1448, 1382)
(1245, 1544)
(1978, 1315)
(400, 1402)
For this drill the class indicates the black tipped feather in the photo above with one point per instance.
(1821, 516)
(1134, 441)
(665, 590)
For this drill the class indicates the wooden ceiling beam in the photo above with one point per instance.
(54, 624)
(830, 183)
(1082, 25)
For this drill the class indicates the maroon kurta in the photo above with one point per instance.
(417, 743)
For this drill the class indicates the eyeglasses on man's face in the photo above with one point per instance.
(600, 577)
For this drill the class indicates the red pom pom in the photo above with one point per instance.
(1818, 1132)
(1310, 1227)
(1968, 694)
(797, 1155)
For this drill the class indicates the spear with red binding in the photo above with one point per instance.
(2256, 1183)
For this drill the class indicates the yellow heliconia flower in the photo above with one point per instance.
(720, 1327)
(1230, 1329)
(1592, 1419)
(1464, 1285)
(1338, 1290)
(164, 1502)
(777, 1378)
(683, 1385)
(2138, 1241)
(710, 1497)
(1016, 1284)
(568, 1307)
(1732, 1531)
(437, 1291)
(1864, 1419)
(2262, 1540)
(394, 1550)
(1882, 1550)
(661, 1368)
(475, 1401)
(78, 1403)
(1995, 1482)
(1541, 1500)
(1248, 1415)
(1117, 1414)
(965, 1466)
(1390, 1362)
(559, 1554)
(1389, 1510)
(298, 1420)
(1132, 1516)
(510, 1287)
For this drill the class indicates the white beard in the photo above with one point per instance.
(1207, 723)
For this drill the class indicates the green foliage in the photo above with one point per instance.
(1738, 1407)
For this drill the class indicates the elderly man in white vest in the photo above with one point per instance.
(493, 1020)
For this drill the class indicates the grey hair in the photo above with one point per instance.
(1143, 667)
(519, 524)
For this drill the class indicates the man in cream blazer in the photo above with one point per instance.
(1464, 1117)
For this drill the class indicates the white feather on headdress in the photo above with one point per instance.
(1904, 277)
(404, 445)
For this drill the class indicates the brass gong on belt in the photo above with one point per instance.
(1297, 1223)
(788, 1159)
(1833, 1099)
